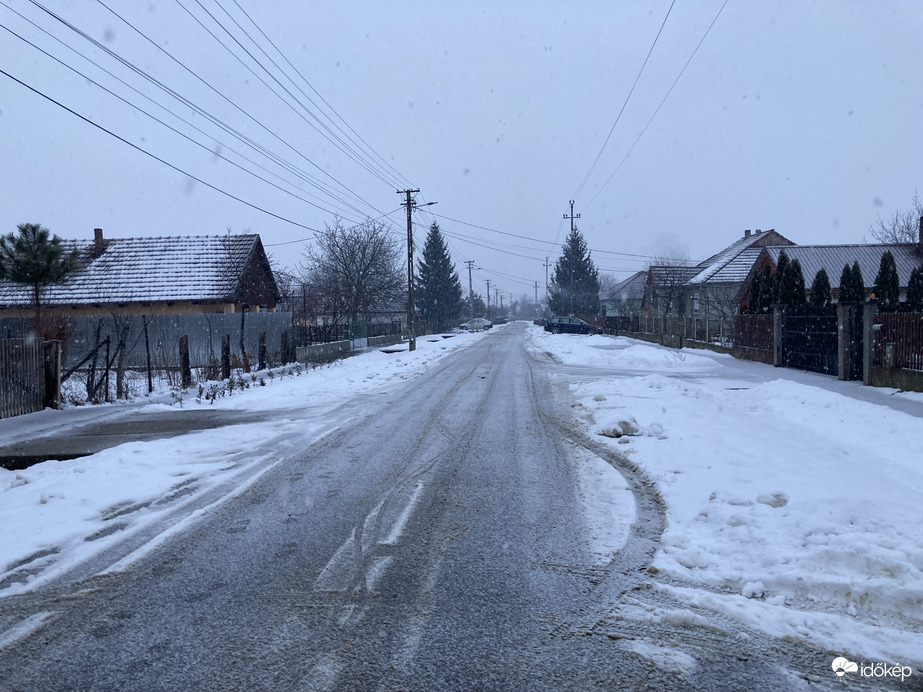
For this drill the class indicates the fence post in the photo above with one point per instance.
(283, 348)
(869, 310)
(261, 352)
(225, 356)
(777, 356)
(52, 374)
(843, 333)
(185, 369)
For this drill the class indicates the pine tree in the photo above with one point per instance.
(820, 289)
(915, 290)
(575, 281)
(438, 290)
(887, 287)
(777, 278)
(37, 259)
(791, 287)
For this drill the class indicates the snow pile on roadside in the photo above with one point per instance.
(75, 509)
(797, 507)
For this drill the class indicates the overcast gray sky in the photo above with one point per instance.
(802, 116)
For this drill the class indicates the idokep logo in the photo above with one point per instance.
(842, 665)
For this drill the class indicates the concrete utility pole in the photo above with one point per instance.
(410, 203)
(470, 264)
(572, 217)
(547, 264)
(536, 297)
(488, 299)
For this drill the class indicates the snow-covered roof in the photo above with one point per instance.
(731, 264)
(130, 270)
(832, 258)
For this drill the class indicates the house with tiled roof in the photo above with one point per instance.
(625, 298)
(156, 276)
(716, 290)
(832, 258)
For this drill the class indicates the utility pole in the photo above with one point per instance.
(470, 264)
(536, 298)
(488, 299)
(410, 203)
(572, 217)
(547, 264)
(496, 296)
(501, 304)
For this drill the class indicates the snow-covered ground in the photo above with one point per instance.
(790, 504)
(797, 507)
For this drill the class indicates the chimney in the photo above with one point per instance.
(747, 233)
(99, 243)
(758, 231)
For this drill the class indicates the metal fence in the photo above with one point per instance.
(899, 341)
(22, 376)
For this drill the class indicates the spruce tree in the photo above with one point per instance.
(887, 286)
(791, 287)
(915, 290)
(778, 277)
(858, 283)
(765, 301)
(845, 294)
(753, 300)
(438, 290)
(575, 282)
(820, 289)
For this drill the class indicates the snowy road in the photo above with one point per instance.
(456, 535)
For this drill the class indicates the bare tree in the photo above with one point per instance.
(607, 284)
(353, 271)
(668, 284)
(902, 227)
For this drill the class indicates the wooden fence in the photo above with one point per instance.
(22, 376)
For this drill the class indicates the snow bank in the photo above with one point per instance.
(797, 508)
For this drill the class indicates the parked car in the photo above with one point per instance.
(477, 324)
(567, 325)
(540, 322)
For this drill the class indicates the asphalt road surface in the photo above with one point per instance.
(436, 542)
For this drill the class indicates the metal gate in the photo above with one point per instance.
(809, 339)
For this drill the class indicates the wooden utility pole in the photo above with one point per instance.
(488, 299)
(409, 203)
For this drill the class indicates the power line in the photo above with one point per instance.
(664, 100)
(325, 102)
(277, 159)
(619, 116)
(157, 158)
(165, 124)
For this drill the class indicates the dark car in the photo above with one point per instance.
(567, 325)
